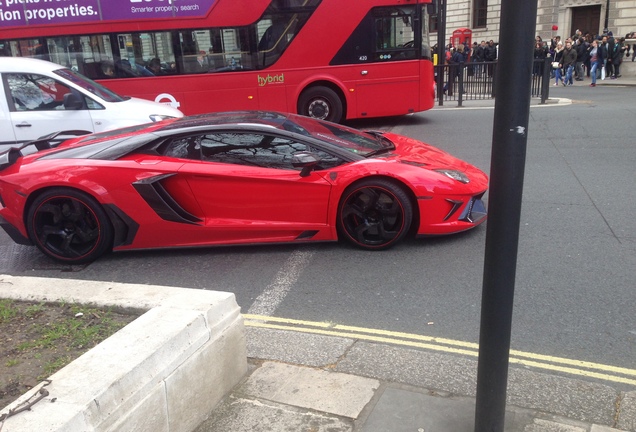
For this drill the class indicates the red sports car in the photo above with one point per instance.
(233, 178)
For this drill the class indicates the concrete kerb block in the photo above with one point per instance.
(627, 413)
(187, 351)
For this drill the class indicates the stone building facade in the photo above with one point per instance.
(568, 15)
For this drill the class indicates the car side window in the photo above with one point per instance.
(184, 148)
(32, 92)
(254, 149)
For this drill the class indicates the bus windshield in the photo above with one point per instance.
(91, 86)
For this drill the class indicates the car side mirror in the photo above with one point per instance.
(305, 160)
(73, 102)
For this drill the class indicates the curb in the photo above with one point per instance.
(165, 371)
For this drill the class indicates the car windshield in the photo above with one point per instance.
(355, 141)
(87, 84)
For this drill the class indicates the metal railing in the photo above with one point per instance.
(475, 81)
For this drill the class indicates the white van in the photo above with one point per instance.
(38, 98)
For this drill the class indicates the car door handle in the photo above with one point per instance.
(23, 124)
(364, 72)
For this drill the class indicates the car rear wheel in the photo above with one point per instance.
(375, 214)
(69, 225)
(320, 103)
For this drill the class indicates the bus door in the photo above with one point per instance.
(383, 49)
(379, 96)
(390, 82)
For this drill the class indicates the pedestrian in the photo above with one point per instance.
(456, 62)
(581, 54)
(473, 59)
(481, 56)
(587, 64)
(617, 57)
(539, 58)
(595, 61)
(603, 53)
(567, 62)
(491, 56)
(609, 64)
(556, 64)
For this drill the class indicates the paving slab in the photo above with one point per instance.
(540, 425)
(330, 392)
(581, 400)
(408, 410)
(627, 413)
(249, 415)
(598, 428)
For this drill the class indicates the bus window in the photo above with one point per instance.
(275, 31)
(396, 36)
(139, 53)
(24, 48)
(5, 49)
(394, 29)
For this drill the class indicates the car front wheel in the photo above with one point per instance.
(374, 214)
(69, 225)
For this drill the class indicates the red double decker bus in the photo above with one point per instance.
(329, 59)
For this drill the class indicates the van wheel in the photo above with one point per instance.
(320, 103)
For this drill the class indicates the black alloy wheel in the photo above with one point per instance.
(321, 103)
(69, 226)
(375, 214)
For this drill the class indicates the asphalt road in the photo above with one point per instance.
(575, 290)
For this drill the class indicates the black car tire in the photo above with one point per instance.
(374, 214)
(321, 103)
(69, 225)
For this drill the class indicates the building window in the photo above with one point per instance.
(480, 10)
(433, 22)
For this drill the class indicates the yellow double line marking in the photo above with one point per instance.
(559, 364)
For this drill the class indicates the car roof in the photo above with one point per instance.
(27, 64)
(119, 142)
(231, 118)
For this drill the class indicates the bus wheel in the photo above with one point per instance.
(321, 103)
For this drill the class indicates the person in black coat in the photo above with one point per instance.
(617, 57)
(539, 54)
(456, 62)
(581, 48)
(567, 62)
(490, 56)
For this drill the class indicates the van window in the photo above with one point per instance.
(31, 92)
(87, 84)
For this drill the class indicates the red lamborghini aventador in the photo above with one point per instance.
(232, 178)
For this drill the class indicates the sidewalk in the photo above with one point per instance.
(191, 362)
(627, 80)
(316, 383)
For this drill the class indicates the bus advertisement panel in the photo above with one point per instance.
(327, 59)
(41, 12)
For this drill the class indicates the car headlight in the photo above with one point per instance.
(455, 175)
(159, 117)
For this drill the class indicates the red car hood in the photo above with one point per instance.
(417, 152)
